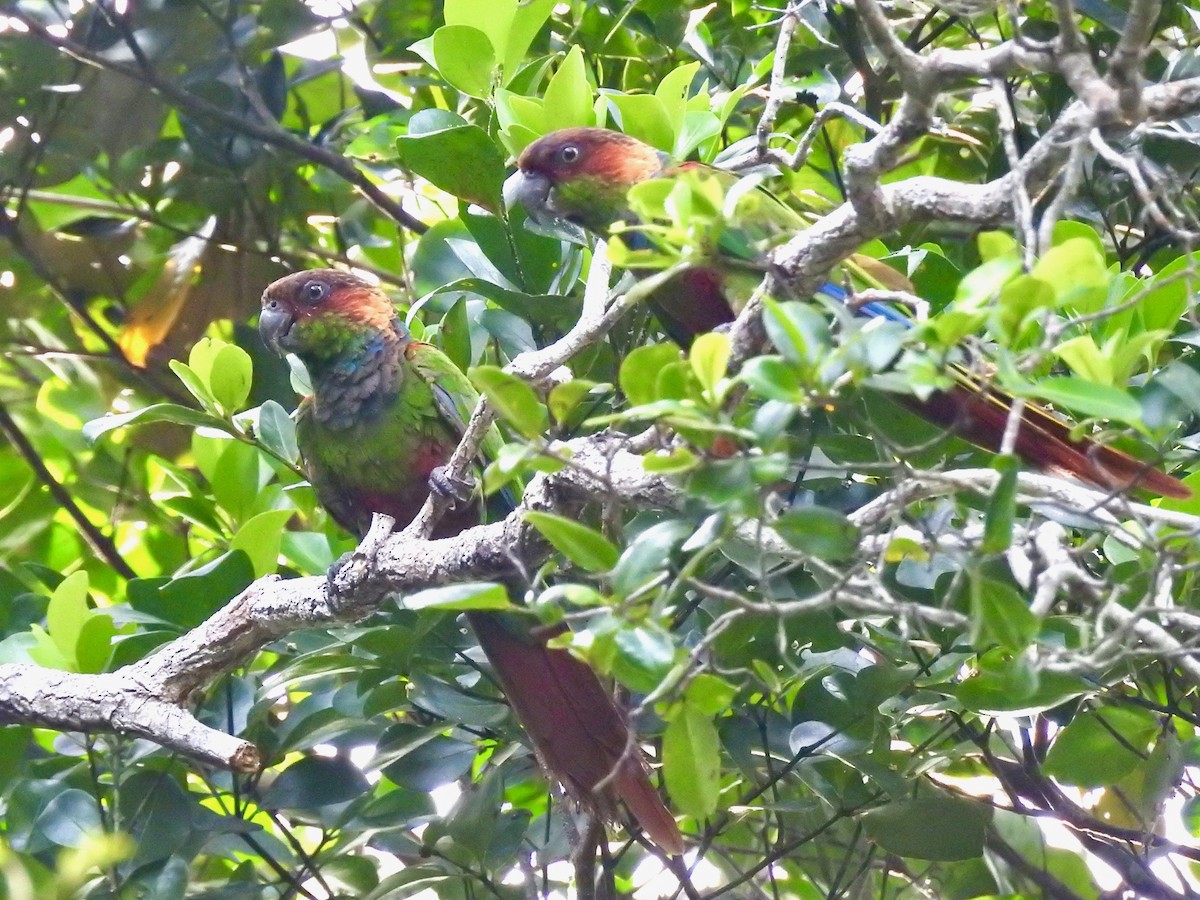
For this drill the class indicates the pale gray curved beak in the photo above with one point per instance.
(532, 193)
(274, 323)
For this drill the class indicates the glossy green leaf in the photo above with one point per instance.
(230, 378)
(158, 412)
(799, 332)
(472, 595)
(568, 98)
(643, 656)
(260, 538)
(640, 371)
(527, 21)
(584, 546)
(566, 398)
(1002, 507)
(513, 399)
(816, 530)
(1090, 399)
(709, 357)
(277, 430)
(465, 57)
(1001, 614)
(692, 762)
(461, 160)
(67, 613)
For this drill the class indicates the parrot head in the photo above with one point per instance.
(323, 314)
(581, 175)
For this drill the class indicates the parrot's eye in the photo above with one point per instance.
(314, 292)
(569, 153)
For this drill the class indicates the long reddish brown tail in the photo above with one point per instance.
(979, 414)
(579, 734)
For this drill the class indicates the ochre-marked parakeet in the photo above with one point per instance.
(387, 412)
(583, 176)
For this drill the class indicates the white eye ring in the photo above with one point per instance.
(314, 291)
(569, 153)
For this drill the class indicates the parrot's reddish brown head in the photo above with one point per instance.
(581, 175)
(591, 153)
(317, 313)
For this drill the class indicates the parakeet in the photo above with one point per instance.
(583, 175)
(385, 414)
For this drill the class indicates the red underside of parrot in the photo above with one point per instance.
(582, 176)
(385, 412)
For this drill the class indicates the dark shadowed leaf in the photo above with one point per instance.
(316, 781)
(932, 827)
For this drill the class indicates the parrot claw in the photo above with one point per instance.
(354, 568)
(334, 572)
(452, 488)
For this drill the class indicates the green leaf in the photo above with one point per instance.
(260, 539)
(672, 93)
(41, 649)
(818, 531)
(187, 600)
(1007, 683)
(565, 398)
(230, 378)
(643, 656)
(568, 98)
(1002, 507)
(1020, 298)
(996, 244)
(202, 357)
(158, 412)
(710, 694)
(465, 58)
(461, 160)
(316, 781)
(981, 286)
(69, 818)
(772, 378)
(640, 370)
(493, 17)
(937, 827)
(1077, 270)
(1100, 747)
(799, 332)
(235, 479)
(526, 23)
(692, 762)
(95, 643)
(1001, 615)
(1090, 399)
(67, 613)
(513, 399)
(196, 387)
(277, 430)
(1086, 359)
(666, 462)
(473, 595)
(709, 358)
(584, 546)
(455, 336)
(644, 117)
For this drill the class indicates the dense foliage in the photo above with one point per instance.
(863, 680)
